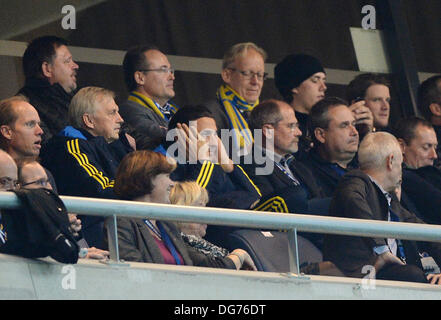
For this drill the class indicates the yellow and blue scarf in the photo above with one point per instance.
(153, 105)
(233, 104)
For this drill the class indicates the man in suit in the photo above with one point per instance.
(286, 185)
(370, 193)
(149, 78)
(421, 179)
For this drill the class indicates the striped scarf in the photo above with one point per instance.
(165, 112)
(233, 104)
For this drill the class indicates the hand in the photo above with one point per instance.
(386, 258)
(95, 253)
(196, 146)
(223, 158)
(434, 278)
(131, 141)
(363, 116)
(75, 224)
(245, 261)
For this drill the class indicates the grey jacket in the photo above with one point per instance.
(137, 244)
(143, 124)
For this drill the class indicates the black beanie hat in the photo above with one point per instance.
(293, 70)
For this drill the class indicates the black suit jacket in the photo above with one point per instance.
(423, 189)
(358, 197)
(276, 180)
(326, 177)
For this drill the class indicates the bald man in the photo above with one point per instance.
(370, 193)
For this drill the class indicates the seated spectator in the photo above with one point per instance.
(191, 194)
(335, 138)
(429, 105)
(20, 131)
(8, 182)
(51, 81)
(421, 180)
(144, 176)
(149, 78)
(31, 175)
(285, 183)
(374, 91)
(243, 74)
(85, 156)
(272, 167)
(301, 80)
(206, 161)
(369, 193)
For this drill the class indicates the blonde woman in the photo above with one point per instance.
(189, 193)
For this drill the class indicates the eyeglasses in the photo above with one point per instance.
(44, 183)
(7, 183)
(161, 70)
(250, 74)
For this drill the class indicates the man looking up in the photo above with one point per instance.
(243, 74)
(51, 81)
(149, 78)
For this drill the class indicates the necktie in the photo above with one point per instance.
(284, 166)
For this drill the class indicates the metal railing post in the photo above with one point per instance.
(112, 236)
(293, 251)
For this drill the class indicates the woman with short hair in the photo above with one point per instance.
(145, 176)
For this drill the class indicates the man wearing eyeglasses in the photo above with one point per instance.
(243, 74)
(8, 181)
(149, 78)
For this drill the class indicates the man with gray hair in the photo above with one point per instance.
(243, 74)
(85, 156)
(372, 193)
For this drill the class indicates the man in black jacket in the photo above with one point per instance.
(287, 186)
(370, 193)
(85, 156)
(335, 139)
(421, 179)
(51, 81)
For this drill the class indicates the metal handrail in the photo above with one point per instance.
(239, 218)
